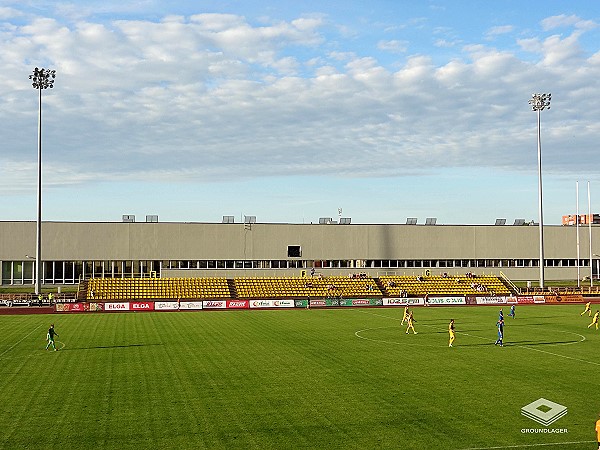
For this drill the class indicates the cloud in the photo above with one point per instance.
(214, 96)
(561, 21)
(393, 46)
(499, 30)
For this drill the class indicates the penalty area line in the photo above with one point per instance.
(561, 356)
(528, 445)
(18, 342)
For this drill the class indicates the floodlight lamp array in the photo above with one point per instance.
(43, 78)
(539, 102)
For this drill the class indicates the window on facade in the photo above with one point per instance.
(294, 251)
(69, 272)
(48, 271)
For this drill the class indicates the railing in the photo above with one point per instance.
(512, 285)
(593, 290)
(20, 297)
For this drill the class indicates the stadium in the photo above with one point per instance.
(252, 335)
(75, 251)
(297, 331)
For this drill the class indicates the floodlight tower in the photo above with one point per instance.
(538, 103)
(41, 79)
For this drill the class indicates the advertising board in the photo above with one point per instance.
(361, 302)
(446, 301)
(190, 305)
(568, 298)
(120, 306)
(405, 301)
(324, 302)
(238, 304)
(491, 300)
(532, 299)
(141, 306)
(214, 304)
(272, 303)
(166, 306)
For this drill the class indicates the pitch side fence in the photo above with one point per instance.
(257, 304)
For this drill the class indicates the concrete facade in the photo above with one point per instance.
(332, 248)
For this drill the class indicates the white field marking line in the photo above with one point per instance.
(488, 339)
(357, 334)
(528, 445)
(561, 356)
(63, 344)
(18, 342)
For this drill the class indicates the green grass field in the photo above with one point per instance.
(343, 378)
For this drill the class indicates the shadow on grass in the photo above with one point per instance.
(108, 346)
(532, 343)
(517, 343)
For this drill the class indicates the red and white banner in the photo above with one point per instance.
(122, 306)
(403, 301)
(531, 299)
(238, 304)
(214, 304)
(141, 306)
(273, 303)
(190, 305)
(317, 302)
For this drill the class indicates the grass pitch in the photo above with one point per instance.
(343, 378)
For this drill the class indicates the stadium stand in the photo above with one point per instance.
(155, 288)
(109, 289)
(314, 287)
(400, 285)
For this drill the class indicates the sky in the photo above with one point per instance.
(292, 111)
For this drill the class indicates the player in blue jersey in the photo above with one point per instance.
(500, 325)
(500, 315)
(512, 312)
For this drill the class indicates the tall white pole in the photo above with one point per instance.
(38, 242)
(540, 203)
(42, 79)
(577, 228)
(590, 228)
(538, 103)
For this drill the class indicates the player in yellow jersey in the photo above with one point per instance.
(598, 432)
(405, 316)
(588, 309)
(410, 325)
(451, 332)
(595, 320)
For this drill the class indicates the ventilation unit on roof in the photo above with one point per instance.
(153, 218)
(345, 220)
(325, 220)
(249, 219)
(500, 221)
(228, 219)
(519, 222)
(411, 221)
(431, 221)
(128, 218)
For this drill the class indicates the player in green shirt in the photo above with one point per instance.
(50, 337)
